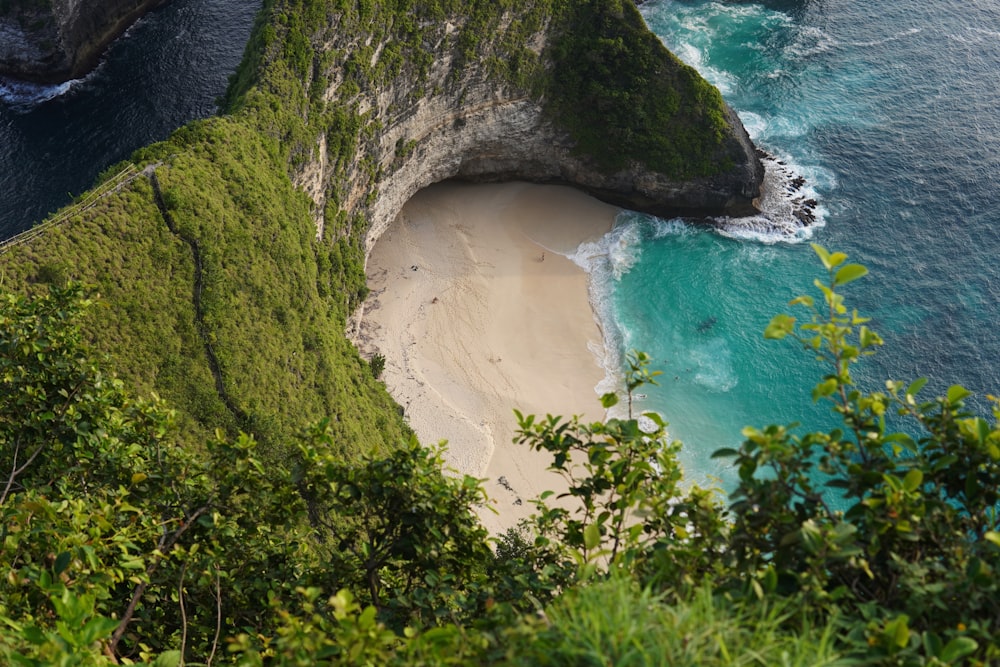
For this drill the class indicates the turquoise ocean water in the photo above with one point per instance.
(891, 112)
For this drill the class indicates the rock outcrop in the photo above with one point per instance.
(459, 118)
(50, 41)
(496, 136)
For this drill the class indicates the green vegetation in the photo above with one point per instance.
(377, 364)
(615, 622)
(122, 545)
(626, 98)
(241, 273)
(263, 501)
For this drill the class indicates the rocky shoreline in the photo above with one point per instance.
(55, 42)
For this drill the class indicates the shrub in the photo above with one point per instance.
(377, 364)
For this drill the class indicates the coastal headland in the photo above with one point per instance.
(230, 277)
(52, 42)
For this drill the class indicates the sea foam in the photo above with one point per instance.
(605, 261)
(23, 96)
(789, 204)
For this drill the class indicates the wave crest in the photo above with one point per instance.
(790, 208)
(22, 96)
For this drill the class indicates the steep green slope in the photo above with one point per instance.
(234, 284)
(623, 102)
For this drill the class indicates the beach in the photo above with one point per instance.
(478, 311)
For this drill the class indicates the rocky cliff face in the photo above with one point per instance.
(49, 41)
(498, 136)
(459, 118)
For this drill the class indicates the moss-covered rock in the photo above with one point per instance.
(50, 41)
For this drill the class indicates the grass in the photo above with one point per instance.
(614, 622)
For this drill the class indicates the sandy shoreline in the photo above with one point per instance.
(478, 312)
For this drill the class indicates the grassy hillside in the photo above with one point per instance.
(263, 305)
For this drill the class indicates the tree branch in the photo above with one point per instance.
(218, 618)
(163, 547)
(184, 620)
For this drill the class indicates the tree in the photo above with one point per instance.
(625, 504)
(911, 560)
(398, 529)
(106, 518)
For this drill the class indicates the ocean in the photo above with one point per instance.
(168, 69)
(890, 113)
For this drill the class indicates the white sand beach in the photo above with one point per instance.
(478, 312)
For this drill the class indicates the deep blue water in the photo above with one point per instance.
(892, 113)
(168, 69)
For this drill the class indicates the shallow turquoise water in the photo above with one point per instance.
(889, 112)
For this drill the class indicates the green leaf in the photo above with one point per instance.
(24, 661)
(168, 659)
(811, 537)
(958, 648)
(804, 300)
(367, 617)
(34, 635)
(825, 388)
(725, 452)
(868, 338)
(913, 480)
(932, 643)
(972, 487)
(903, 440)
(993, 537)
(823, 254)
(957, 392)
(828, 293)
(656, 418)
(781, 325)
(591, 536)
(982, 429)
(849, 273)
(62, 562)
(609, 400)
(770, 580)
(898, 631)
(97, 628)
(916, 386)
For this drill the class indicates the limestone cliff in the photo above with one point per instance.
(487, 96)
(55, 40)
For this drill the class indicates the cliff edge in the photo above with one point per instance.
(577, 93)
(50, 41)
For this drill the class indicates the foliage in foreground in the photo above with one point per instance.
(119, 546)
